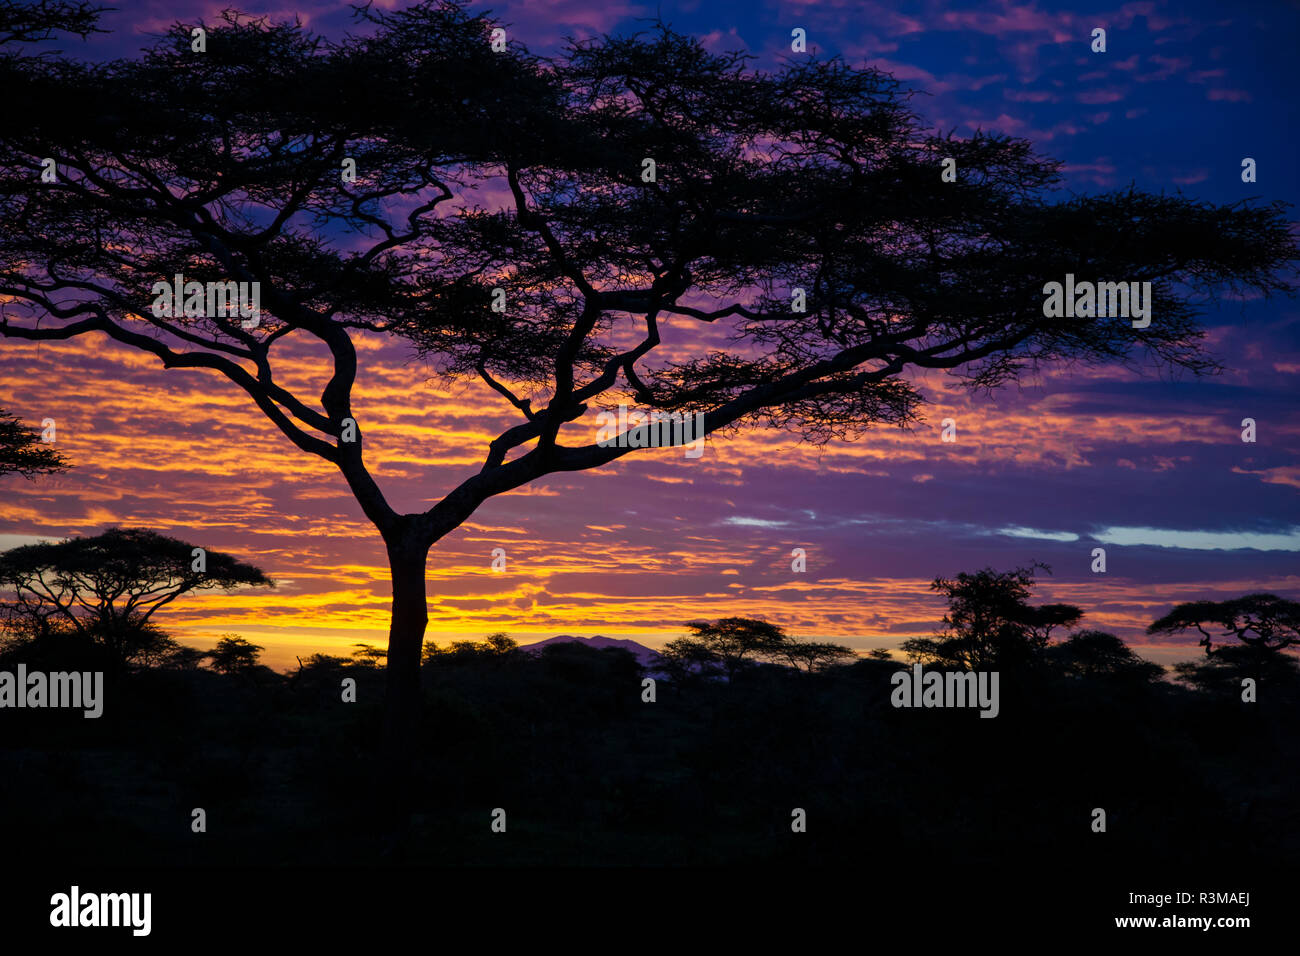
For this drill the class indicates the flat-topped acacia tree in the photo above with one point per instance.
(226, 165)
(105, 589)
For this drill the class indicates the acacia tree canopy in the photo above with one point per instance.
(233, 655)
(990, 621)
(816, 655)
(1264, 622)
(731, 643)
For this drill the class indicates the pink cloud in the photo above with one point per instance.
(1146, 8)
(879, 15)
(1168, 67)
(720, 42)
(1230, 96)
(1004, 123)
(1101, 172)
(547, 21)
(1011, 18)
(1030, 96)
(908, 73)
(1093, 97)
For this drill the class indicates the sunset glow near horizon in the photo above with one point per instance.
(1149, 466)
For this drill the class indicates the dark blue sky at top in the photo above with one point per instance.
(1211, 80)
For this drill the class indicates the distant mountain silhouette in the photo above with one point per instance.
(642, 653)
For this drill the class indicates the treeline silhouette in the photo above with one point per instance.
(746, 725)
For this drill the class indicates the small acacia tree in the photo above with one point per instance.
(106, 589)
(649, 188)
(728, 644)
(815, 655)
(1265, 623)
(233, 655)
(1091, 654)
(495, 647)
(990, 621)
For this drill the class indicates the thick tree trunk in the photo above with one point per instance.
(406, 557)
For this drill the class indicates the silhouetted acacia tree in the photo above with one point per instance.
(814, 655)
(225, 166)
(1098, 654)
(183, 658)
(498, 647)
(725, 646)
(1263, 622)
(233, 655)
(683, 659)
(367, 655)
(990, 621)
(1265, 625)
(105, 589)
